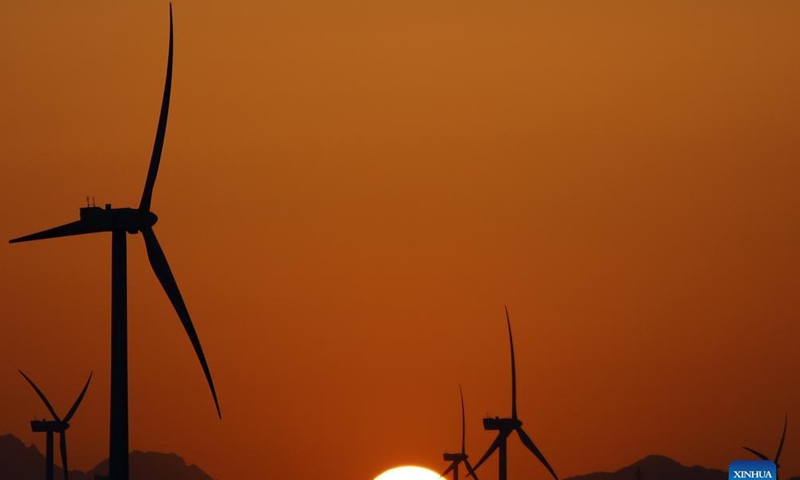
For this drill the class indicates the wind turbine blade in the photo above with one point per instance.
(470, 470)
(526, 440)
(463, 423)
(783, 437)
(449, 469)
(41, 395)
(494, 446)
(155, 158)
(78, 400)
(161, 268)
(63, 444)
(513, 370)
(757, 454)
(74, 228)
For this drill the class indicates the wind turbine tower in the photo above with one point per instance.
(456, 459)
(121, 222)
(506, 426)
(56, 425)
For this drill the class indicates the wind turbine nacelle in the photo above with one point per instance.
(492, 423)
(107, 219)
(498, 423)
(93, 214)
(454, 457)
(48, 426)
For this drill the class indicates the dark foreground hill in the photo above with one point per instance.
(657, 467)
(18, 462)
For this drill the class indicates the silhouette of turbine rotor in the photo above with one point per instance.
(56, 425)
(456, 459)
(780, 449)
(506, 426)
(120, 222)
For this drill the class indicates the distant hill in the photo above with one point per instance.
(657, 467)
(18, 462)
(155, 466)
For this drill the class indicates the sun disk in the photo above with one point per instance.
(408, 473)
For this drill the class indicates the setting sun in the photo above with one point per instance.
(408, 473)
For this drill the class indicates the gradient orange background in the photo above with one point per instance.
(351, 191)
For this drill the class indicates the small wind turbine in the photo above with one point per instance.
(780, 448)
(506, 426)
(457, 458)
(120, 222)
(56, 425)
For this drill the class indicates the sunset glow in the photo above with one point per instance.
(408, 473)
(349, 194)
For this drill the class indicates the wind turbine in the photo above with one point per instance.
(56, 425)
(120, 222)
(457, 458)
(506, 426)
(780, 448)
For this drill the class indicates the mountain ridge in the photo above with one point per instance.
(656, 467)
(21, 462)
(659, 467)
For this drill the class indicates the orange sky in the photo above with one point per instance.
(351, 191)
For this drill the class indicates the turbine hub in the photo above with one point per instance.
(150, 219)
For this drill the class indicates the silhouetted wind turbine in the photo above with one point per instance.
(780, 448)
(56, 425)
(457, 458)
(120, 221)
(505, 426)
